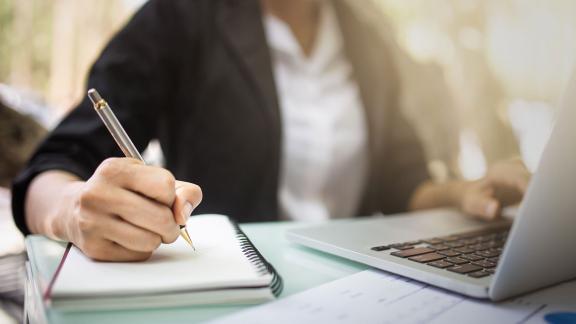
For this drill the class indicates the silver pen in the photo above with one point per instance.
(122, 139)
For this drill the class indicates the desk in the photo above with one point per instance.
(300, 267)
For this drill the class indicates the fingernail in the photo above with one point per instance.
(187, 211)
(491, 209)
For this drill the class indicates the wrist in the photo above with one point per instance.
(61, 223)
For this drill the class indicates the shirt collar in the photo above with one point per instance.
(328, 41)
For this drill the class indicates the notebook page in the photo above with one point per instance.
(218, 262)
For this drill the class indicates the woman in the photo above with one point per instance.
(277, 109)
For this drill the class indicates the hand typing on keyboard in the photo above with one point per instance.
(504, 184)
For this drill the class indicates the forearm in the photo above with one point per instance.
(48, 201)
(435, 195)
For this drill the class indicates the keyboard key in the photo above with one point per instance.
(464, 249)
(457, 260)
(471, 241)
(440, 264)
(465, 268)
(471, 257)
(413, 242)
(439, 247)
(401, 246)
(488, 253)
(423, 258)
(455, 244)
(486, 238)
(450, 238)
(490, 271)
(479, 274)
(494, 259)
(380, 248)
(479, 247)
(434, 240)
(470, 235)
(485, 246)
(449, 253)
(495, 244)
(412, 252)
(484, 264)
(501, 236)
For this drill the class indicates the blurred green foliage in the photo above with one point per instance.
(25, 42)
(5, 23)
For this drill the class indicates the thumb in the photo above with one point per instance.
(188, 197)
(482, 204)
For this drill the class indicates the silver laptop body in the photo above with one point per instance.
(540, 249)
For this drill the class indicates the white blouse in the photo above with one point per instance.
(324, 139)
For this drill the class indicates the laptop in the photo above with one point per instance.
(493, 260)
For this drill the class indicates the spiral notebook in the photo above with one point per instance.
(225, 269)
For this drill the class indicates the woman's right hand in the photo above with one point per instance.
(122, 213)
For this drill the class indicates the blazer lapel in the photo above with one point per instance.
(240, 22)
(376, 79)
(241, 25)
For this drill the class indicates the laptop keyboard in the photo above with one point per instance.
(474, 254)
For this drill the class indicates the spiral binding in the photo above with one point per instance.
(262, 266)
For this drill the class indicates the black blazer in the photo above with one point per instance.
(197, 76)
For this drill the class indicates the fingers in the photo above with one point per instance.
(118, 253)
(512, 174)
(153, 182)
(515, 180)
(105, 250)
(130, 237)
(95, 227)
(188, 197)
(486, 208)
(133, 208)
(127, 209)
(523, 180)
(480, 202)
(109, 238)
(142, 212)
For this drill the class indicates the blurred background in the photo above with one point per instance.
(482, 79)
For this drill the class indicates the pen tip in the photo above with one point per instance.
(186, 236)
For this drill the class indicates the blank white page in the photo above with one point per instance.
(218, 262)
